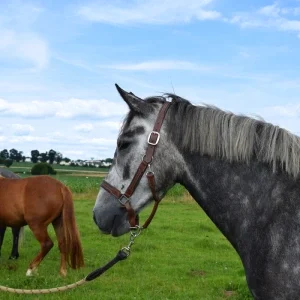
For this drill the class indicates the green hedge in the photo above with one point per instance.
(42, 169)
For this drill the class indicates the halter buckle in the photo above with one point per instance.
(123, 200)
(157, 135)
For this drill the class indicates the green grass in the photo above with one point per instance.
(182, 255)
(82, 184)
(24, 168)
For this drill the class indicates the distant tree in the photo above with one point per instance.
(66, 159)
(51, 155)
(23, 158)
(44, 157)
(35, 156)
(13, 153)
(8, 162)
(58, 157)
(4, 154)
(19, 156)
(109, 160)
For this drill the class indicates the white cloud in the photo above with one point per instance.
(93, 108)
(28, 109)
(22, 129)
(56, 134)
(111, 125)
(275, 10)
(290, 25)
(148, 11)
(25, 46)
(270, 10)
(160, 65)
(151, 65)
(271, 16)
(30, 139)
(70, 108)
(290, 110)
(19, 41)
(285, 116)
(19, 13)
(85, 127)
(13, 86)
(77, 153)
(98, 141)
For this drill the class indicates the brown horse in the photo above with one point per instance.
(37, 202)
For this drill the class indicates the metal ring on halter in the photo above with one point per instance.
(134, 233)
(149, 170)
(123, 200)
(157, 134)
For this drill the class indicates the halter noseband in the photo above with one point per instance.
(124, 199)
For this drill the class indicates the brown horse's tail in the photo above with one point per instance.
(73, 249)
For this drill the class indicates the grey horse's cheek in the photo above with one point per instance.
(126, 172)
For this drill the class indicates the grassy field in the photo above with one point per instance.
(181, 256)
(25, 168)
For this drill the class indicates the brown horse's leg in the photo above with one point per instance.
(15, 247)
(41, 234)
(58, 227)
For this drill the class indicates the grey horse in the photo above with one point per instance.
(243, 172)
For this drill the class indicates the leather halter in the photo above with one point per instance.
(124, 199)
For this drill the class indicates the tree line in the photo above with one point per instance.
(51, 156)
(7, 157)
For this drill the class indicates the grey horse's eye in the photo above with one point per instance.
(122, 145)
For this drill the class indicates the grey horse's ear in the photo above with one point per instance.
(135, 103)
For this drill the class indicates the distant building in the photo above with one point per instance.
(64, 163)
(106, 164)
(94, 163)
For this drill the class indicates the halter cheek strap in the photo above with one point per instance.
(124, 199)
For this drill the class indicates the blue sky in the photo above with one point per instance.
(59, 61)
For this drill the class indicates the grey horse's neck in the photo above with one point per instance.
(257, 210)
(234, 194)
(228, 192)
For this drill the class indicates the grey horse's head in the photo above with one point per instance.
(109, 215)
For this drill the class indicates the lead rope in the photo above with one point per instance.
(121, 255)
